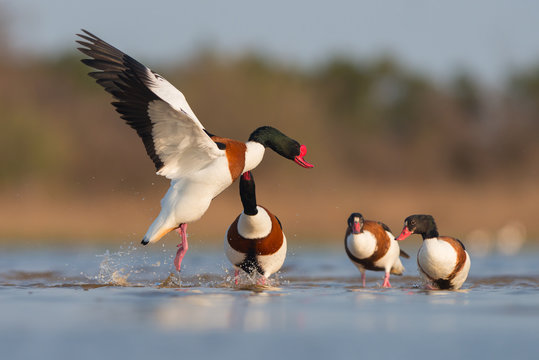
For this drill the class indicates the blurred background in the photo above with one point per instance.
(405, 107)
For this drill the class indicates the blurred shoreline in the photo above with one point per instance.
(385, 141)
(316, 212)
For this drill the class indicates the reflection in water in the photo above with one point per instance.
(195, 313)
(198, 311)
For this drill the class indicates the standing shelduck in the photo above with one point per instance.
(443, 262)
(199, 164)
(371, 246)
(255, 242)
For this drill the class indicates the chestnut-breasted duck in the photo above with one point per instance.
(443, 261)
(371, 246)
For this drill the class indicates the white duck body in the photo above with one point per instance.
(189, 197)
(363, 246)
(260, 227)
(438, 259)
(443, 261)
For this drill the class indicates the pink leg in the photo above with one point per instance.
(363, 278)
(236, 276)
(386, 283)
(182, 247)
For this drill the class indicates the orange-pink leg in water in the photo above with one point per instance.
(182, 247)
(386, 283)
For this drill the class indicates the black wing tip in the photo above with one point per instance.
(87, 62)
(87, 34)
(384, 226)
(86, 38)
(117, 72)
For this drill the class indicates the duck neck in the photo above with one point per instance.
(430, 234)
(253, 155)
(248, 194)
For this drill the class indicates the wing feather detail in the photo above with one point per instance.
(173, 136)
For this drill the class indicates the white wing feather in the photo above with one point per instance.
(170, 94)
(172, 134)
(179, 141)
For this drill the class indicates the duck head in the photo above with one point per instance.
(419, 224)
(280, 143)
(355, 223)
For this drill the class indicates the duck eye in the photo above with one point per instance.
(412, 222)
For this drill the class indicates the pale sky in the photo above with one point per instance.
(486, 37)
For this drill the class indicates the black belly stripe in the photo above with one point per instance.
(250, 264)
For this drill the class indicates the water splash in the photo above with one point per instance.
(131, 266)
(110, 272)
(246, 280)
(172, 281)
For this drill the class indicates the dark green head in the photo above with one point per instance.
(280, 143)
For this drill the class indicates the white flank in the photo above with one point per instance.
(462, 275)
(437, 258)
(235, 257)
(272, 263)
(188, 198)
(391, 258)
(397, 268)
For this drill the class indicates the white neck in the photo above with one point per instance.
(253, 155)
(255, 226)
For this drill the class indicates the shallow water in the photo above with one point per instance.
(127, 302)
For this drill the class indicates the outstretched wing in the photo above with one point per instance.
(173, 136)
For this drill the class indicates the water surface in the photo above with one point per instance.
(128, 303)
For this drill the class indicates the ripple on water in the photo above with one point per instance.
(135, 266)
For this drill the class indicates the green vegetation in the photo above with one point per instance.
(376, 113)
(375, 131)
